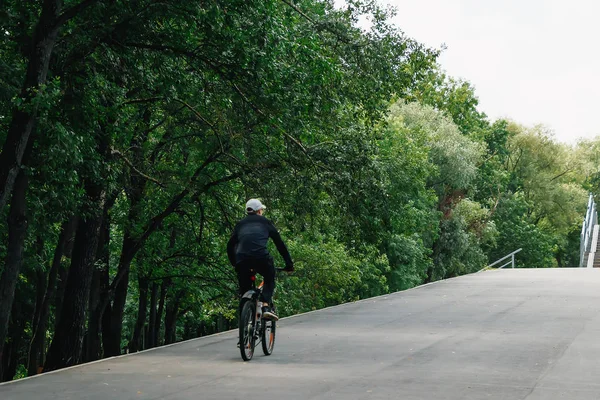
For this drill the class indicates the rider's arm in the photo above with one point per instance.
(281, 247)
(231, 247)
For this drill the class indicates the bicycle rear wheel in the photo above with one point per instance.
(268, 337)
(247, 325)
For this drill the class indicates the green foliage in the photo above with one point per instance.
(378, 169)
(326, 275)
(455, 98)
(410, 261)
(516, 231)
(454, 155)
(21, 372)
(543, 199)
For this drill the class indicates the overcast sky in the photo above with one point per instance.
(534, 61)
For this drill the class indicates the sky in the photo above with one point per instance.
(533, 61)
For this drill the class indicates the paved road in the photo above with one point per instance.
(510, 334)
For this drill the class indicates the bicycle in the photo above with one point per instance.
(253, 329)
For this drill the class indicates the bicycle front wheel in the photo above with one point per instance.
(268, 337)
(247, 325)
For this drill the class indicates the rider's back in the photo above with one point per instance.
(252, 235)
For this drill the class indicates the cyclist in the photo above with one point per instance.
(247, 249)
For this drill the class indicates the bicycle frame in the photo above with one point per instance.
(253, 295)
(253, 330)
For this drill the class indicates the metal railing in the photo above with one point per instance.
(512, 260)
(587, 229)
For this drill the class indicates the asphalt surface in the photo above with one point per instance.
(508, 334)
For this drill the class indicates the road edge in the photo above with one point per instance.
(225, 332)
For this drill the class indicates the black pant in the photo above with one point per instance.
(263, 266)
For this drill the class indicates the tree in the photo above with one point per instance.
(25, 111)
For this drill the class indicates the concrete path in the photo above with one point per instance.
(508, 334)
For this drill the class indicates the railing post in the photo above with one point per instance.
(512, 260)
(591, 219)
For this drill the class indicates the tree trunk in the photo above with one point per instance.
(61, 285)
(99, 321)
(134, 344)
(104, 310)
(118, 308)
(93, 343)
(66, 346)
(40, 292)
(187, 330)
(5, 362)
(171, 323)
(559, 260)
(17, 229)
(171, 318)
(106, 338)
(131, 243)
(161, 306)
(201, 330)
(37, 347)
(24, 118)
(151, 341)
(99, 289)
(10, 359)
(221, 323)
(40, 282)
(41, 285)
(63, 270)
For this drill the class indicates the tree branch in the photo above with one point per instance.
(561, 174)
(299, 11)
(137, 171)
(233, 84)
(155, 47)
(320, 26)
(73, 11)
(141, 101)
(259, 111)
(201, 118)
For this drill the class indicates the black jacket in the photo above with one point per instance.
(249, 240)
